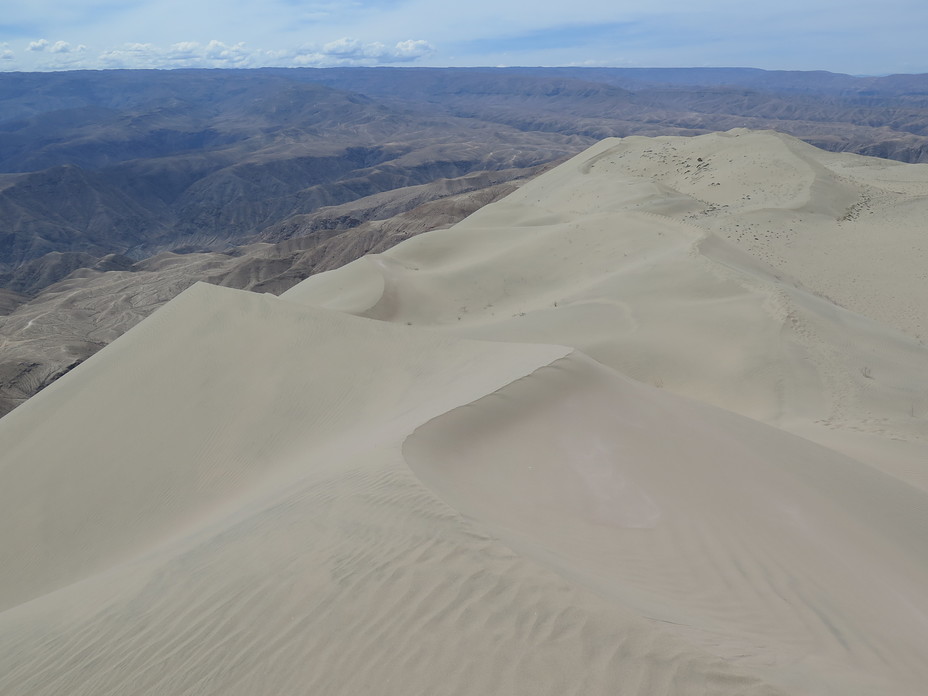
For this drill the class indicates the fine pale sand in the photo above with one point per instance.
(656, 423)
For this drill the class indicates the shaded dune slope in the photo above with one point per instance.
(744, 540)
(586, 441)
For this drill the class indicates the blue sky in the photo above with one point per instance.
(842, 36)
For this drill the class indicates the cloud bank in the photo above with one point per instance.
(48, 55)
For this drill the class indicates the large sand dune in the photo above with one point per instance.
(656, 423)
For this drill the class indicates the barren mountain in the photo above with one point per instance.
(882, 116)
(203, 161)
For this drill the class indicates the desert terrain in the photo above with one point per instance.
(655, 422)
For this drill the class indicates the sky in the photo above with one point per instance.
(850, 36)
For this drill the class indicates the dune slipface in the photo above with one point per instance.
(653, 424)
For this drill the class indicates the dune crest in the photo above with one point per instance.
(603, 436)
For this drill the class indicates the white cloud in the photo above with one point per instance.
(236, 55)
(5, 52)
(130, 55)
(411, 50)
(348, 48)
(59, 48)
(184, 49)
(307, 60)
(348, 51)
(218, 54)
(184, 54)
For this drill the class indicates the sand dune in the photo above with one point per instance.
(603, 436)
(744, 540)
